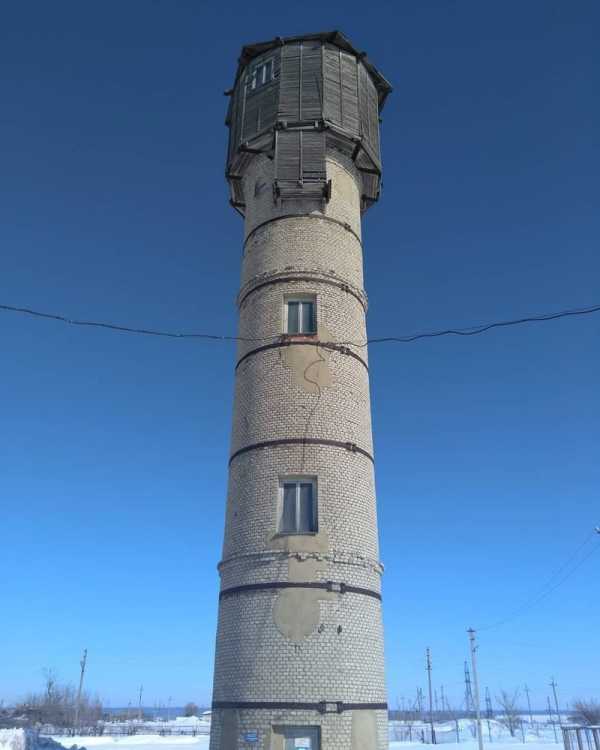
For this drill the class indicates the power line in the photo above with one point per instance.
(474, 330)
(550, 586)
(469, 331)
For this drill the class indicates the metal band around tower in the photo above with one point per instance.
(326, 345)
(313, 277)
(323, 707)
(330, 586)
(352, 447)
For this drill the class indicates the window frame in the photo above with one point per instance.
(298, 480)
(300, 299)
(260, 70)
(295, 731)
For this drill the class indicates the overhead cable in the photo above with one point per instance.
(560, 576)
(469, 331)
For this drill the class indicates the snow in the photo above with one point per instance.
(155, 742)
(26, 739)
(137, 742)
(472, 745)
(12, 739)
(494, 732)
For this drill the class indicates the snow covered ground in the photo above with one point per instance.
(153, 742)
(137, 742)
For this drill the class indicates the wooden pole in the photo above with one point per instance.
(433, 740)
(78, 704)
(473, 645)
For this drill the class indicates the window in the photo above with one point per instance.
(298, 510)
(301, 315)
(261, 75)
(299, 738)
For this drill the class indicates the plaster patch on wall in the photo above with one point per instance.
(310, 364)
(277, 740)
(364, 730)
(296, 612)
(300, 542)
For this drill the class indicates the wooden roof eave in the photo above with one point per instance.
(250, 51)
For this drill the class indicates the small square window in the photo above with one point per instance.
(260, 75)
(301, 315)
(298, 505)
(299, 738)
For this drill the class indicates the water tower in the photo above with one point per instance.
(299, 654)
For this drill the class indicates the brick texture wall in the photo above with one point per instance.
(301, 645)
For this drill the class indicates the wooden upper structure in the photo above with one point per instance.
(294, 98)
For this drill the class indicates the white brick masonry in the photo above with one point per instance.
(301, 645)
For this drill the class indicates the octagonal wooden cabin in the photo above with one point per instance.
(293, 99)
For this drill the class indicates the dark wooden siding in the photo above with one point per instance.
(260, 105)
(313, 80)
(300, 158)
(289, 83)
(301, 87)
(349, 73)
(341, 88)
(332, 105)
(369, 113)
(287, 156)
(313, 155)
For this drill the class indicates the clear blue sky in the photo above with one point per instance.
(113, 448)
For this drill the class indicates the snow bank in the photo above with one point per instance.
(26, 739)
(138, 742)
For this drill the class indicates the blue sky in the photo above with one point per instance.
(113, 448)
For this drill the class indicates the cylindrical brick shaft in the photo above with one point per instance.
(299, 653)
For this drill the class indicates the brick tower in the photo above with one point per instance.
(299, 653)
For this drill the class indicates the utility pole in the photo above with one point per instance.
(435, 700)
(551, 719)
(468, 693)
(128, 711)
(473, 645)
(169, 710)
(553, 686)
(420, 702)
(140, 703)
(430, 697)
(442, 697)
(531, 722)
(78, 704)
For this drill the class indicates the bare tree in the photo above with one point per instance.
(56, 705)
(587, 711)
(190, 709)
(510, 717)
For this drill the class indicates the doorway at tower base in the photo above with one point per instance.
(364, 735)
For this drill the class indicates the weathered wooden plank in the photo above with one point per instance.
(332, 100)
(313, 155)
(300, 162)
(311, 88)
(289, 88)
(261, 110)
(368, 103)
(348, 70)
(287, 156)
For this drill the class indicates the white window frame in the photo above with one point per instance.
(298, 479)
(260, 71)
(300, 298)
(290, 734)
